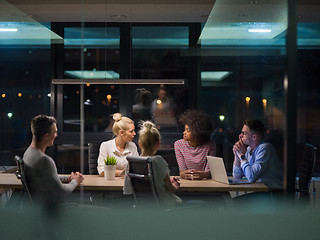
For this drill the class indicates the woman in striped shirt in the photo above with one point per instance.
(192, 151)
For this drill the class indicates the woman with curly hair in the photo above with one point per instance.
(192, 151)
(121, 146)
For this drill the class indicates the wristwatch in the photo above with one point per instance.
(243, 157)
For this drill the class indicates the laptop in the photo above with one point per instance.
(219, 173)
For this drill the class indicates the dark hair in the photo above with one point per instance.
(40, 125)
(162, 87)
(255, 126)
(143, 97)
(199, 124)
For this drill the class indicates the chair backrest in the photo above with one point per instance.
(141, 176)
(93, 154)
(170, 157)
(307, 166)
(20, 173)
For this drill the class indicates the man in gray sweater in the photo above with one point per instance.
(45, 185)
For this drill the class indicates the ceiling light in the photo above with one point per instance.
(257, 30)
(223, 28)
(24, 28)
(214, 76)
(92, 74)
(8, 29)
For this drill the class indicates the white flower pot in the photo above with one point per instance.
(109, 172)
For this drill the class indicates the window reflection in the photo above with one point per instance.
(141, 109)
(91, 53)
(161, 104)
(100, 101)
(159, 52)
(162, 110)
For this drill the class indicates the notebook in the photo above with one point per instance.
(219, 173)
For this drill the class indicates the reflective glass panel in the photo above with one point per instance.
(91, 53)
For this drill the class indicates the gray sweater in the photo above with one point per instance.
(43, 180)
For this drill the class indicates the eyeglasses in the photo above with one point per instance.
(246, 133)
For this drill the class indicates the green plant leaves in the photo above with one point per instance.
(110, 160)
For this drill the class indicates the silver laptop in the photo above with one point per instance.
(219, 173)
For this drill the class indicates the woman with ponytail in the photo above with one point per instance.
(121, 146)
(166, 186)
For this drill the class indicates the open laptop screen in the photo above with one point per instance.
(219, 173)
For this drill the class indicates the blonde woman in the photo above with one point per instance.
(121, 146)
(166, 186)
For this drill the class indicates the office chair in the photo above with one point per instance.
(93, 154)
(20, 173)
(140, 174)
(170, 157)
(307, 166)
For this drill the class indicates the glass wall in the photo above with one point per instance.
(91, 53)
(174, 56)
(159, 52)
(244, 84)
(308, 98)
(242, 68)
(232, 76)
(24, 88)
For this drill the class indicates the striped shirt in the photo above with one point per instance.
(189, 157)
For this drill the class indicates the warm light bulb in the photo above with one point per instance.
(19, 94)
(159, 101)
(247, 99)
(264, 101)
(3, 95)
(109, 98)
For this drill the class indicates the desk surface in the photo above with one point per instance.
(97, 183)
(8, 169)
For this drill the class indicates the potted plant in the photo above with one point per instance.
(110, 167)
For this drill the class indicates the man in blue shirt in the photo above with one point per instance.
(256, 159)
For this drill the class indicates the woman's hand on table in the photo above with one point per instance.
(175, 182)
(194, 174)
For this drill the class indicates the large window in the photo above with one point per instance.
(242, 72)
(308, 98)
(25, 92)
(232, 77)
(91, 53)
(160, 52)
